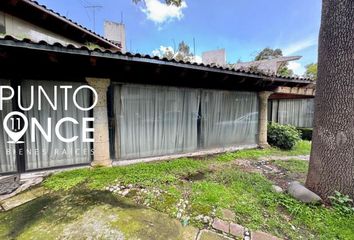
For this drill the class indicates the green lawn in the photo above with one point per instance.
(293, 165)
(301, 148)
(213, 183)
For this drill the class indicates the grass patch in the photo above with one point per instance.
(249, 195)
(293, 166)
(145, 174)
(148, 174)
(301, 148)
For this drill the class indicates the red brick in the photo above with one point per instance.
(236, 230)
(221, 225)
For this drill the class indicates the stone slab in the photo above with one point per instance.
(22, 198)
(25, 184)
(189, 233)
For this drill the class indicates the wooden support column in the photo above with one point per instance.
(101, 155)
(263, 118)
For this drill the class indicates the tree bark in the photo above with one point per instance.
(332, 156)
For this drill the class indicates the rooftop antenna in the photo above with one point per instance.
(94, 8)
(193, 46)
(121, 17)
(174, 45)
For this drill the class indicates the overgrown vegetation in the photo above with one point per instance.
(301, 148)
(343, 203)
(210, 184)
(293, 166)
(92, 46)
(283, 136)
(306, 133)
(158, 173)
(167, 172)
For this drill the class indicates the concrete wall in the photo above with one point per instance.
(115, 32)
(21, 29)
(217, 57)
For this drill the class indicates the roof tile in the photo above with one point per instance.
(73, 22)
(138, 55)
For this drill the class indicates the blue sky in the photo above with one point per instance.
(242, 27)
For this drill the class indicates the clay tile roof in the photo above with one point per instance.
(142, 56)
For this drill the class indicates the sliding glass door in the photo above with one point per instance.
(297, 112)
(153, 121)
(228, 118)
(41, 153)
(7, 150)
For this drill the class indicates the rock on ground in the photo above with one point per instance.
(302, 194)
(277, 189)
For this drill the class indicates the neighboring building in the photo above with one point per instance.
(115, 32)
(214, 57)
(270, 66)
(27, 19)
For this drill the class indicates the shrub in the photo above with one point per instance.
(283, 136)
(306, 133)
(342, 203)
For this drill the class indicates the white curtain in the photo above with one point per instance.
(44, 154)
(228, 118)
(7, 150)
(297, 112)
(273, 111)
(152, 121)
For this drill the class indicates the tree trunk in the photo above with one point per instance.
(332, 155)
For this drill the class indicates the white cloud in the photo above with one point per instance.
(297, 68)
(162, 50)
(300, 45)
(159, 12)
(198, 59)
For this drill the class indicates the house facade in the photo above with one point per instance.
(137, 107)
(69, 97)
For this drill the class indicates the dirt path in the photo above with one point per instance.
(285, 158)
